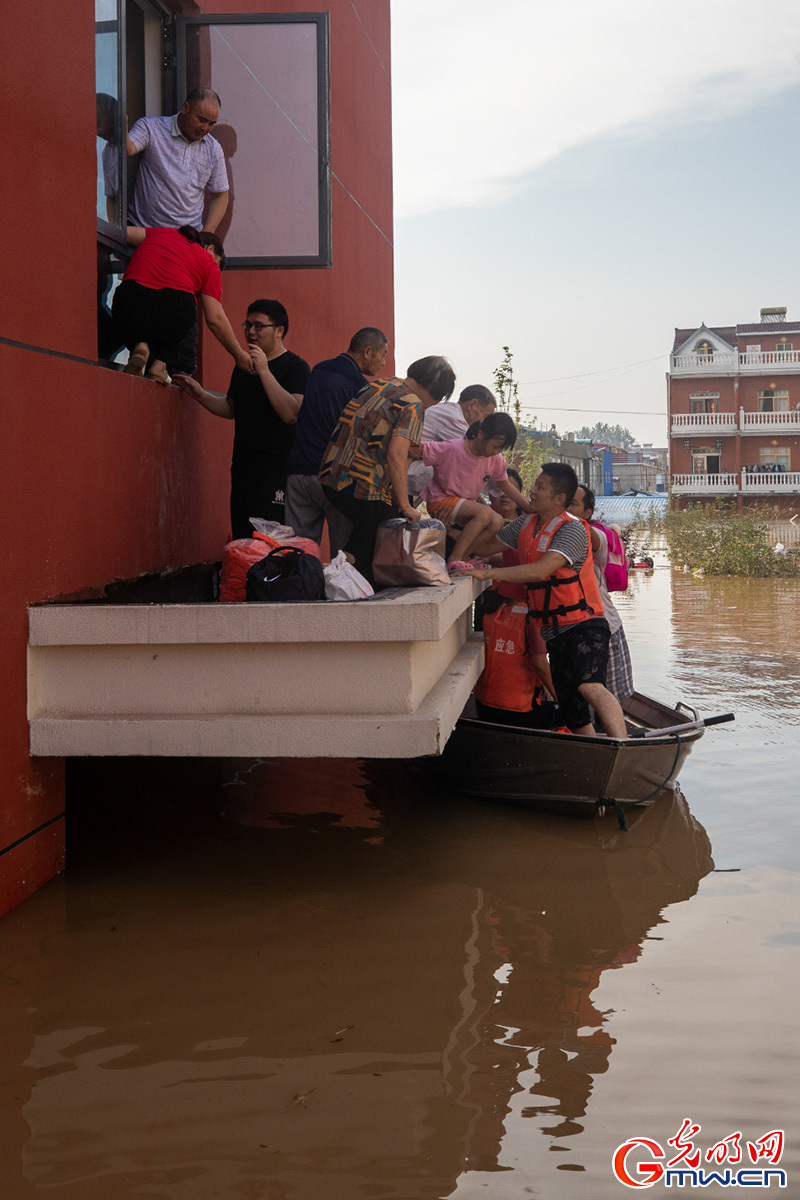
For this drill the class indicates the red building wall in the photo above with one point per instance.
(735, 393)
(680, 391)
(106, 476)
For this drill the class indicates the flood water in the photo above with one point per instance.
(323, 980)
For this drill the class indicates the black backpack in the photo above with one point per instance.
(286, 575)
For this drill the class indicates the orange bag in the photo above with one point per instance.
(508, 679)
(239, 556)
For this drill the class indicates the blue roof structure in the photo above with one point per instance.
(630, 506)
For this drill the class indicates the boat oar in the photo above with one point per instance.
(699, 724)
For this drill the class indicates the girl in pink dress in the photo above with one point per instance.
(462, 468)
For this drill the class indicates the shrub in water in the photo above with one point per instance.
(710, 538)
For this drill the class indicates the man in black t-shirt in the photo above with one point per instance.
(264, 407)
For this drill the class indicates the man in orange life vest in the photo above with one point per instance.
(556, 565)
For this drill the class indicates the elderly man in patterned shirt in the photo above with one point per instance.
(364, 471)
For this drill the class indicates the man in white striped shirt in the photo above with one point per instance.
(180, 163)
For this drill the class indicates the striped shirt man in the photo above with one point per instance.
(174, 174)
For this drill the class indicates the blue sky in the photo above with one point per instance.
(662, 195)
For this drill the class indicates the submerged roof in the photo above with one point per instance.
(630, 506)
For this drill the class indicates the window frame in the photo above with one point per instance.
(768, 458)
(321, 20)
(703, 402)
(705, 455)
(775, 396)
(113, 237)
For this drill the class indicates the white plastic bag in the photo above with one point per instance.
(343, 581)
(273, 529)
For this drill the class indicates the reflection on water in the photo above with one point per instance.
(324, 980)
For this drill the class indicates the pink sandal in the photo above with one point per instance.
(470, 565)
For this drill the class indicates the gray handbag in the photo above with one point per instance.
(410, 555)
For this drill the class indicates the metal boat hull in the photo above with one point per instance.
(566, 773)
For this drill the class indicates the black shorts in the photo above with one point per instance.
(263, 499)
(159, 316)
(578, 655)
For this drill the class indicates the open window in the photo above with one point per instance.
(130, 82)
(271, 73)
(132, 79)
(705, 464)
(704, 402)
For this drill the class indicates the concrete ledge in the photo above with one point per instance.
(393, 735)
(238, 679)
(399, 615)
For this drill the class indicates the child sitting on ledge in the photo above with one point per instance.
(462, 468)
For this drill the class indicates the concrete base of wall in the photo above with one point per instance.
(391, 735)
(385, 678)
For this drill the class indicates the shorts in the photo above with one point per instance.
(619, 677)
(578, 655)
(262, 499)
(445, 510)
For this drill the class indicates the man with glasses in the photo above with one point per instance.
(264, 408)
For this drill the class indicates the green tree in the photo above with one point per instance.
(507, 389)
(528, 456)
(613, 435)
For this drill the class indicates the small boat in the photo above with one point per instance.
(570, 773)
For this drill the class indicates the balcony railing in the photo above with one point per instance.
(711, 422)
(770, 422)
(750, 483)
(705, 485)
(733, 362)
(689, 424)
(769, 483)
(705, 364)
(756, 359)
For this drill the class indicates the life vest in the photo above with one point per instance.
(616, 571)
(508, 679)
(568, 596)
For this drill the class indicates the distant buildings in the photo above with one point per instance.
(584, 458)
(642, 468)
(608, 470)
(734, 412)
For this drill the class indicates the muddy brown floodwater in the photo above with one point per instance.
(323, 980)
